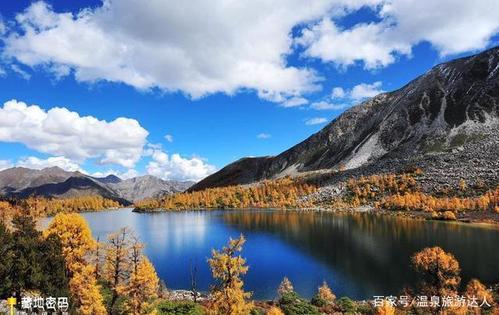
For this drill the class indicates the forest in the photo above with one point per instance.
(39, 206)
(113, 276)
(393, 192)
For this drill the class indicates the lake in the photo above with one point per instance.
(359, 255)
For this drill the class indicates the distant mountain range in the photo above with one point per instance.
(56, 182)
(445, 121)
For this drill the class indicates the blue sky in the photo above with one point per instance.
(223, 81)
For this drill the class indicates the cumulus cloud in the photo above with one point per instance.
(315, 121)
(263, 135)
(467, 26)
(178, 168)
(169, 138)
(59, 161)
(197, 47)
(4, 164)
(358, 92)
(338, 92)
(61, 132)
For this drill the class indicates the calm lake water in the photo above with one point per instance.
(359, 255)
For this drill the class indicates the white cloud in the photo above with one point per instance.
(177, 167)
(61, 132)
(365, 90)
(4, 164)
(324, 105)
(59, 161)
(315, 121)
(197, 47)
(20, 72)
(450, 26)
(359, 92)
(294, 102)
(338, 92)
(263, 135)
(169, 138)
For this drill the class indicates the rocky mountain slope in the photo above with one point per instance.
(445, 121)
(142, 187)
(55, 182)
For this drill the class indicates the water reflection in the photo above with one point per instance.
(360, 255)
(373, 251)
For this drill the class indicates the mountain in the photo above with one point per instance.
(445, 121)
(142, 187)
(56, 182)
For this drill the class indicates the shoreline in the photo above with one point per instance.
(468, 218)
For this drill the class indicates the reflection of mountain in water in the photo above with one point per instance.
(373, 251)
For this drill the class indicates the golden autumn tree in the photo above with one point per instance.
(475, 289)
(274, 310)
(88, 296)
(439, 271)
(386, 308)
(77, 244)
(324, 293)
(227, 267)
(141, 289)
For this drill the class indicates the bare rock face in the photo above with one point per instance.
(447, 119)
(138, 188)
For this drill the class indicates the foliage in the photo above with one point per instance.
(30, 262)
(292, 304)
(179, 308)
(365, 189)
(76, 239)
(439, 271)
(324, 296)
(77, 244)
(285, 287)
(417, 201)
(141, 289)
(385, 309)
(40, 206)
(475, 288)
(274, 311)
(281, 193)
(346, 305)
(86, 293)
(227, 268)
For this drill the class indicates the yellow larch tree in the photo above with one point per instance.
(141, 289)
(77, 244)
(227, 267)
(439, 271)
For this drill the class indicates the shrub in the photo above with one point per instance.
(179, 308)
(292, 304)
(346, 305)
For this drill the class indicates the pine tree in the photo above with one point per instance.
(227, 268)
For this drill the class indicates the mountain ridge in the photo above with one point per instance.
(55, 182)
(438, 112)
